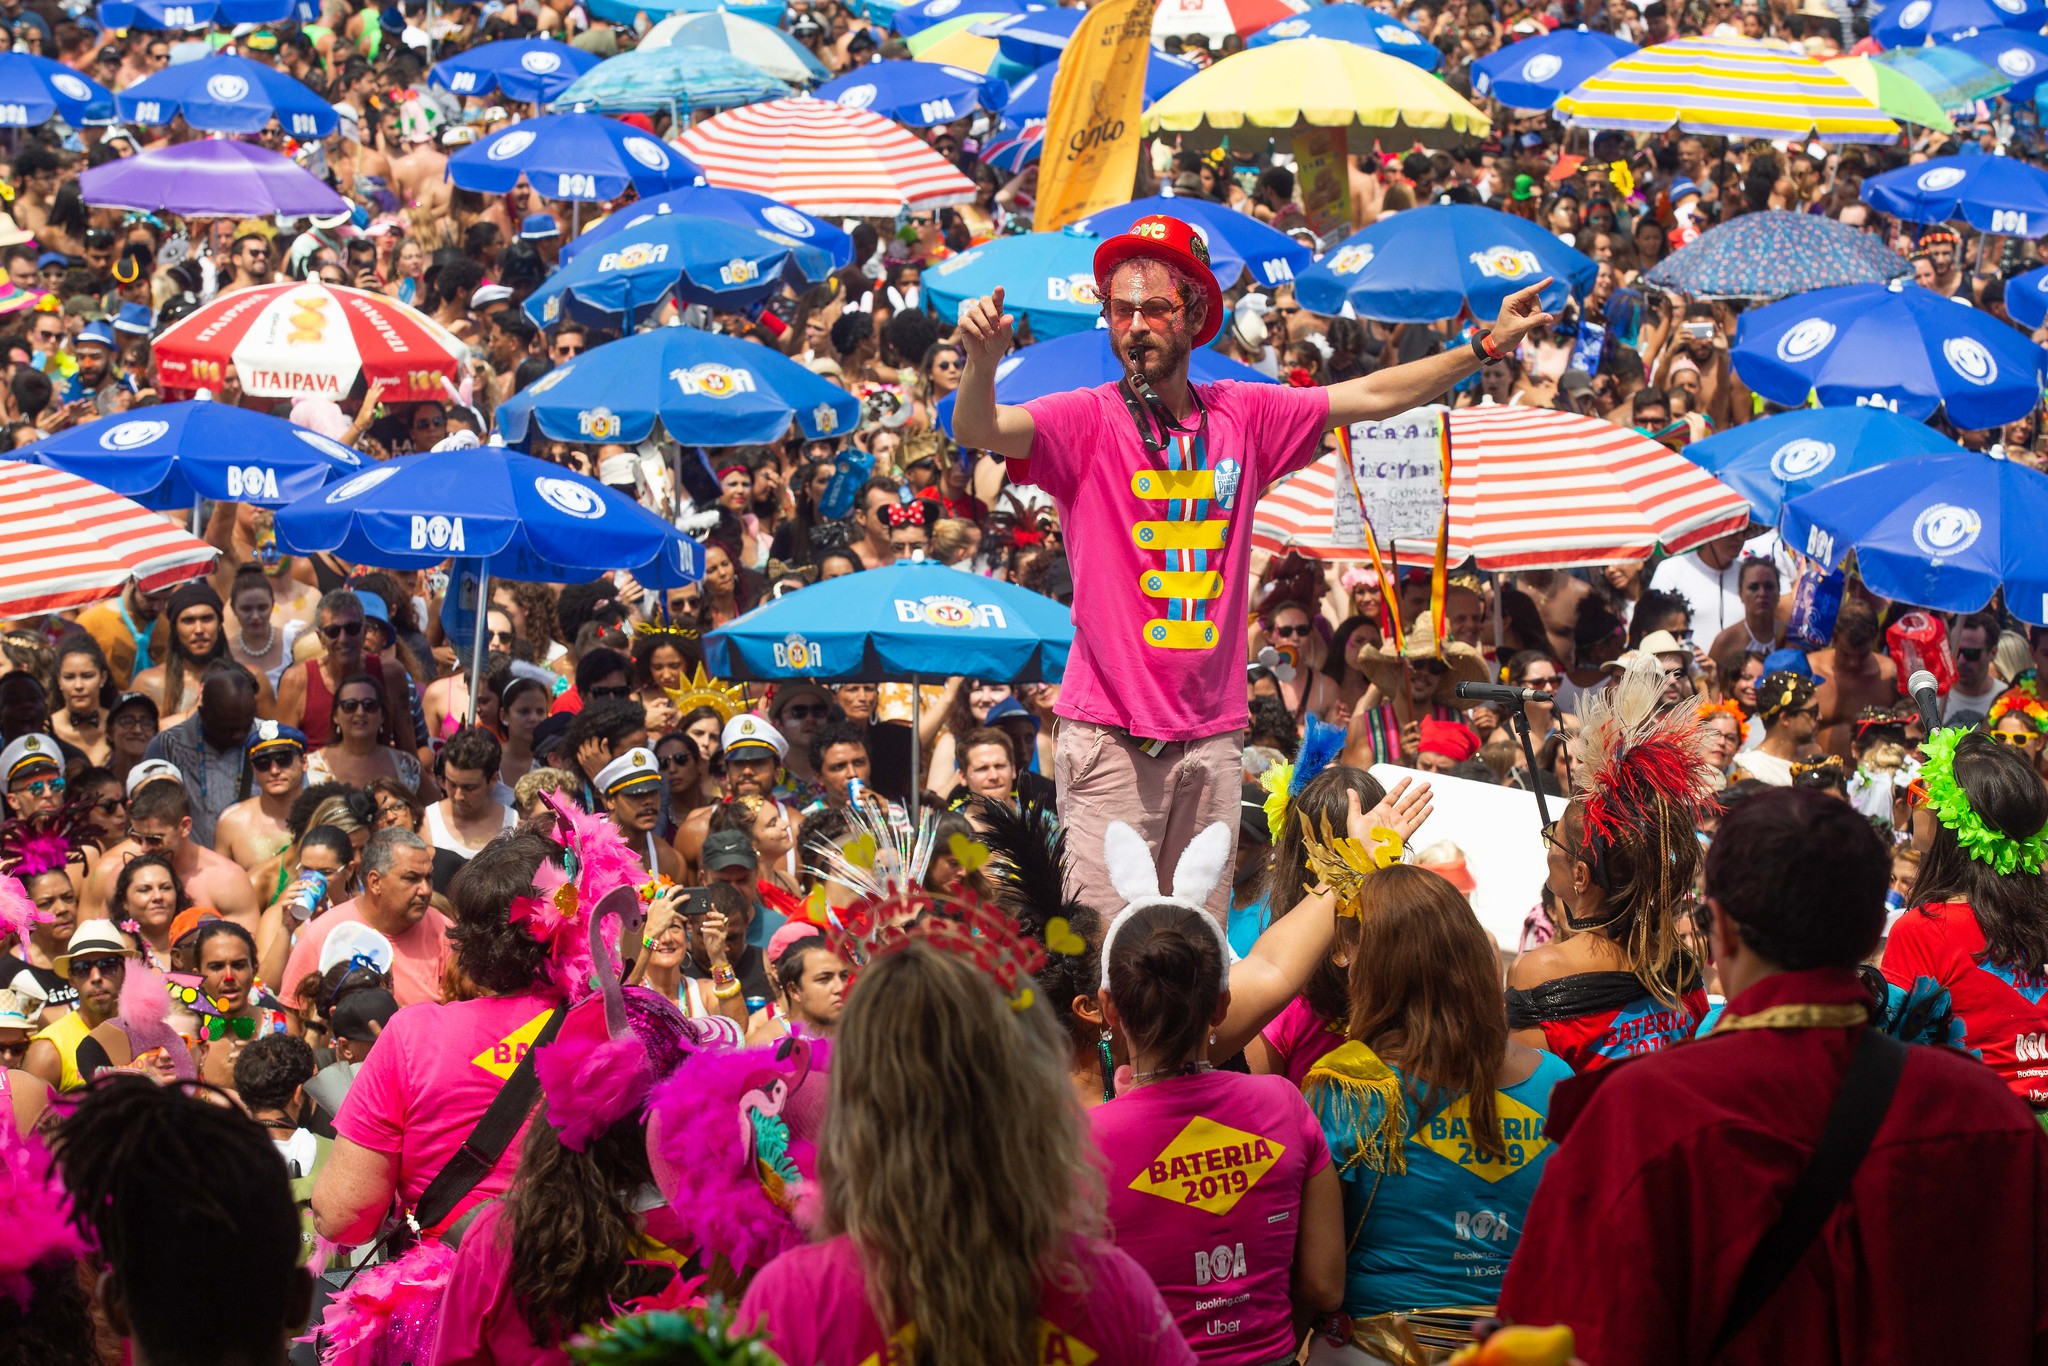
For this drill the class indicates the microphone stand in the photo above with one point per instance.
(1519, 720)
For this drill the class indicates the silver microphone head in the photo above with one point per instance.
(1919, 679)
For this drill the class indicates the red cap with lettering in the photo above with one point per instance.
(1163, 238)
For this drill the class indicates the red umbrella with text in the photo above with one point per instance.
(65, 542)
(308, 339)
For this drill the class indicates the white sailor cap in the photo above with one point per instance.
(746, 732)
(28, 753)
(631, 769)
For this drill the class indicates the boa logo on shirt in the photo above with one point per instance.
(501, 1059)
(1209, 1166)
(1506, 263)
(1056, 1347)
(1448, 1135)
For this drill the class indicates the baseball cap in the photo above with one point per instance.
(139, 700)
(729, 849)
(27, 754)
(149, 770)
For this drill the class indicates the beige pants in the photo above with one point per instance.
(1168, 799)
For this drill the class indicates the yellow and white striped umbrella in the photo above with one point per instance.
(1728, 87)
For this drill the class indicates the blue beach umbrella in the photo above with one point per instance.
(698, 260)
(34, 89)
(1532, 73)
(757, 44)
(1049, 278)
(818, 248)
(1942, 531)
(2026, 298)
(1781, 457)
(705, 390)
(1913, 22)
(676, 78)
(1955, 75)
(228, 94)
(628, 11)
(914, 619)
(1031, 97)
(914, 19)
(1033, 38)
(1353, 24)
(169, 455)
(183, 14)
(1992, 194)
(1273, 257)
(532, 70)
(1899, 345)
(572, 156)
(1431, 263)
(2016, 54)
(1773, 253)
(916, 94)
(524, 518)
(1012, 152)
(1083, 360)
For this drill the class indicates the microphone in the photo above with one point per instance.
(1925, 697)
(1503, 694)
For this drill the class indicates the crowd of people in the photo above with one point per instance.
(370, 1001)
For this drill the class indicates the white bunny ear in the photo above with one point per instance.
(1201, 865)
(1129, 859)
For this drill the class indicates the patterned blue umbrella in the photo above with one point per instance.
(228, 94)
(761, 45)
(679, 78)
(1353, 24)
(1773, 254)
(533, 70)
(1992, 194)
(1012, 152)
(572, 156)
(1897, 346)
(1531, 74)
(916, 94)
(2026, 298)
(1956, 75)
(1912, 22)
(33, 89)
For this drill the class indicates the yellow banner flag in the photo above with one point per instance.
(1091, 130)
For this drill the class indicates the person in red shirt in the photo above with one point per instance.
(1671, 1168)
(1977, 918)
(1622, 859)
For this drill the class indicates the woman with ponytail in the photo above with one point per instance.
(1232, 1168)
(961, 1215)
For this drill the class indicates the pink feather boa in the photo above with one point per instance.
(18, 914)
(589, 1090)
(704, 1172)
(146, 1015)
(603, 863)
(389, 1314)
(34, 1222)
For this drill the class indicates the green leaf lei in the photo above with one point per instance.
(1951, 806)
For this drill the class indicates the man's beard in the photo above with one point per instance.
(1155, 357)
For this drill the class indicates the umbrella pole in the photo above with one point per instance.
(476, 640)
(916, 752)
(198, 515)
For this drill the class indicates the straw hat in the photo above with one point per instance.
(1381, 664)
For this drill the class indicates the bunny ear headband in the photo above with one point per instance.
(1135, 876)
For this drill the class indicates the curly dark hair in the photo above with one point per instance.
(536, 602)
(500, 957)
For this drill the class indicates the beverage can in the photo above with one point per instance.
(311, 893)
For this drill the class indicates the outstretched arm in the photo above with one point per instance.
(986, 334)
(1383, 393)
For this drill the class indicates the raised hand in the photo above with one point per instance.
(986, 332)
(1520, 314)
(1403, 811)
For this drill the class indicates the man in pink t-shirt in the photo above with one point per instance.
(397, 902)
(1156, 479)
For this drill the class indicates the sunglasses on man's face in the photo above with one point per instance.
(340, 629)
(1973, 653)
(271, 763)
(618, 694)
(43, 787)
(106, 967)
(147, 840)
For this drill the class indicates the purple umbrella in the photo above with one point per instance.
(210, 179)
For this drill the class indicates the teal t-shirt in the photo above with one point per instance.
(1442, 1232)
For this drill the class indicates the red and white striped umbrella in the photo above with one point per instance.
(307, 338)
(1214, 20)
(1532, 488)
(824, 158)
(65, 542)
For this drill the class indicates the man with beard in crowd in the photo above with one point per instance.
(1156, 479)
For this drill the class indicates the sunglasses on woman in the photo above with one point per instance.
(352, 705)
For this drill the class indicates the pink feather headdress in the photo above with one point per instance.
(18, 915)
(146, 1016)
(35, 1219)
(595, 862)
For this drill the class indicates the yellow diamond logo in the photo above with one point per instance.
(1209, 1166)
(1448, 1135)
(1056, 1347)
(502, 1057)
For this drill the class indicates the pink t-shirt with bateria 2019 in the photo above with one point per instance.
(1159, 546)
(812, 1302)
(429, 1078)
(1206, 1176)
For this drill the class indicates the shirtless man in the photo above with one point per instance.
(1557, 596)
(254, 831)
(1857, 675)
(160, 820)
(630, 788)
(419, 172)
(753, 753)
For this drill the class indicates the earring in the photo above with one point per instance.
(1107, 1062)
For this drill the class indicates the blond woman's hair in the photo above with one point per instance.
(956, 1158)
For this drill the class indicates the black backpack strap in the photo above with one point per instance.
(1852, 1122)
(487, 1142)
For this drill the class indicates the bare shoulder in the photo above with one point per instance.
(1540, 965)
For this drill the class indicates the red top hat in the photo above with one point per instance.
(1162, 238)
